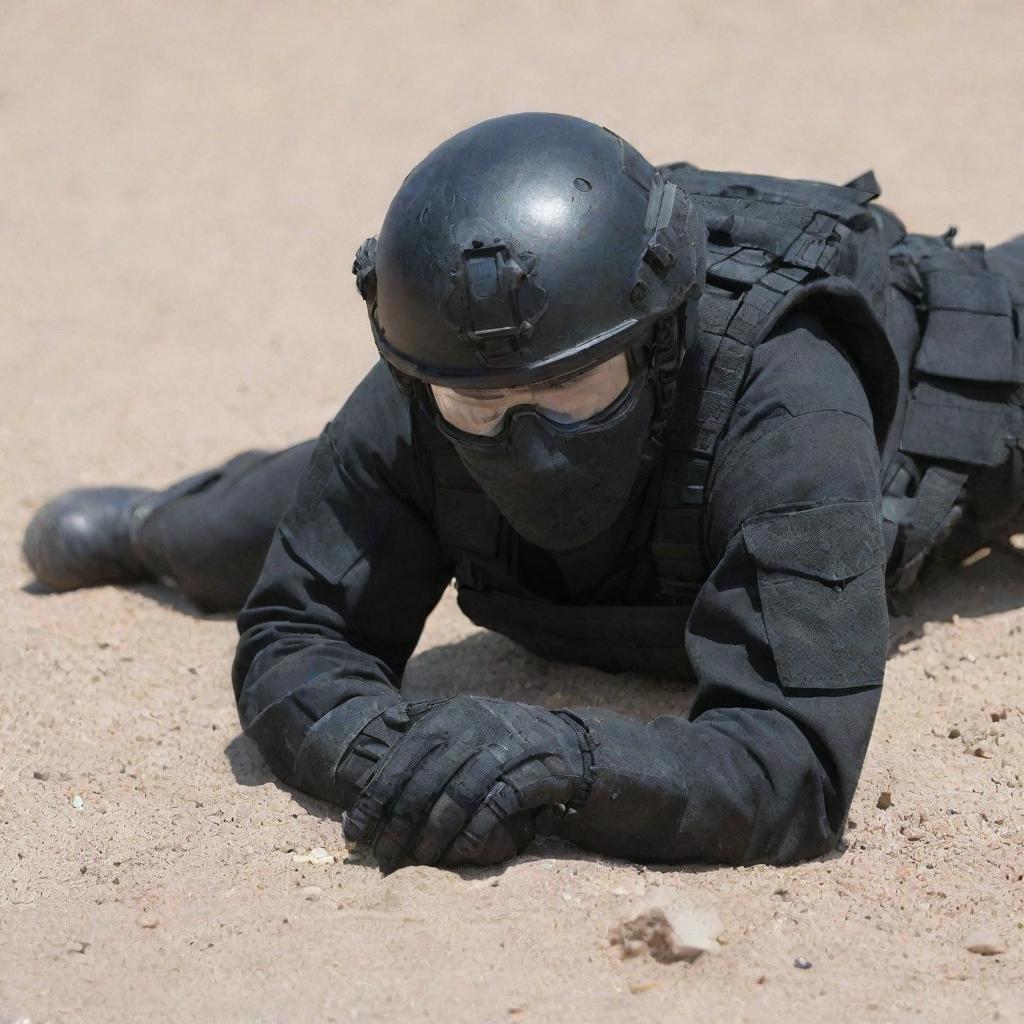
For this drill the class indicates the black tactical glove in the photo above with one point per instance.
(467, 781)
(364, 729)
(367, 735)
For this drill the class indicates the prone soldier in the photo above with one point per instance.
(694, 423)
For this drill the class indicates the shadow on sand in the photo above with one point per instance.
(160, 593)
(985, 584)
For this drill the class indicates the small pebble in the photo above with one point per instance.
(802, 963)
(148, 921)
(312, 892)
(637, 987)
(913, 834)
(884, 800)
(42, 775)
(954, 733)
(318, 856)
(77, 802)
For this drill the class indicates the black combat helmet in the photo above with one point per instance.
(527, 248)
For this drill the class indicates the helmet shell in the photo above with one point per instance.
(525, 248)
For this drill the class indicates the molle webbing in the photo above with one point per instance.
(764, 243)
(727, 338)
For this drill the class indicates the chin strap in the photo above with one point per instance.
(666, 358)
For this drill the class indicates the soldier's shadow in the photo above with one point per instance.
(490, 665)
(990, 582)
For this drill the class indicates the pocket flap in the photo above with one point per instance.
(975, 292)
(831, 542)
(970, 346)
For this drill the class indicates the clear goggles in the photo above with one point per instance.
(572, 402)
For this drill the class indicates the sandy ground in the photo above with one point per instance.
(181, 189)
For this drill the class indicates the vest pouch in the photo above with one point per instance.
(969, 333)
(820, 581)
(957, 423)
(969, 362)
(608, 637)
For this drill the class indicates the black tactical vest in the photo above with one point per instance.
(774, 245)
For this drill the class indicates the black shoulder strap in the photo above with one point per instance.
(760, 253)
(731, 324)
(768, 239)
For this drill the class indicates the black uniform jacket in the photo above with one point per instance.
(786, 639)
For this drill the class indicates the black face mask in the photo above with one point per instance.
(560, 488)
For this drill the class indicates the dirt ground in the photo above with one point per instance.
(182, 187)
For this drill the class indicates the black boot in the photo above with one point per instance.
(85, 537)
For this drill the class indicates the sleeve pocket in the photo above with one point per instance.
(821, 583)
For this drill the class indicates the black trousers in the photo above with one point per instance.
(210, 532)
